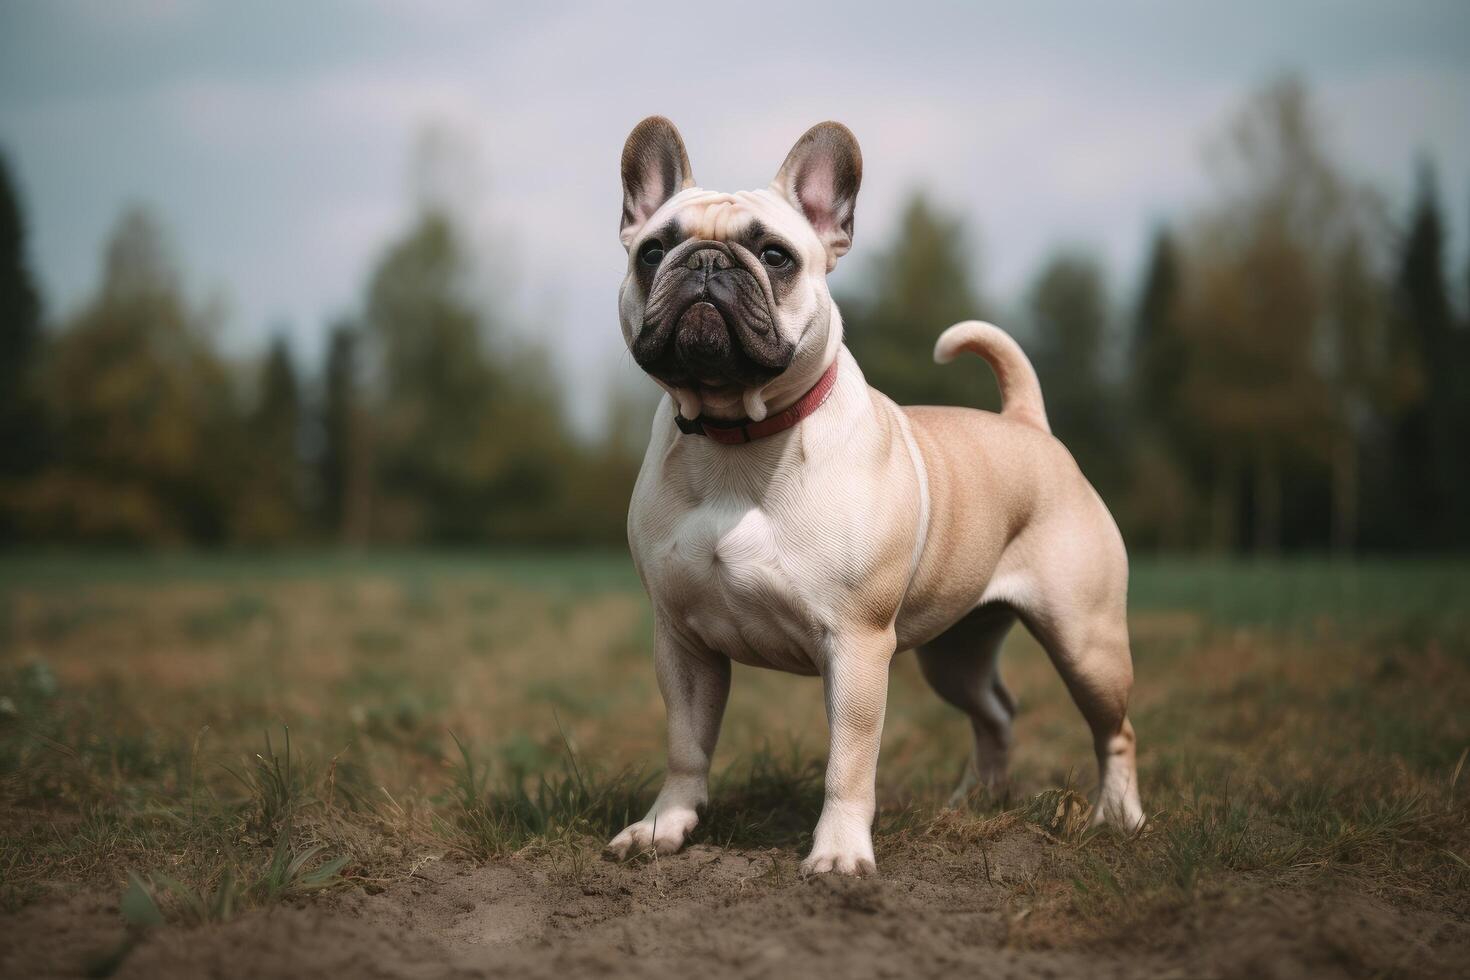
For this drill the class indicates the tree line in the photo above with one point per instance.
(125, 425)
(1287, 375)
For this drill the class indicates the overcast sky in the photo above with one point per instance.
(274, 139)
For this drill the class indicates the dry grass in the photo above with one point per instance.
(234, 735)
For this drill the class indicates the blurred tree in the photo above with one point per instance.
(917, 285)
(1160, 347)
(598, 496)
(1160, 509)
(466, 447)
(535, 461)
(147, 430)
(1359, 377)
(269, 507)
(1431, 458)
(22, 421)
(345, 463)
(1258, 308)
(434, 386)
(277, 417)
(1068, 307)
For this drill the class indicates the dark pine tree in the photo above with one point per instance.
(22, 423)
(342, 472)
(1068, 305)
(1167, 468)
(278, 416)
(1457, 370)
(1429, 465)
(274, 510)
(1159, 345)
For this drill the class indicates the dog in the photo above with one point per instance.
(789, 516)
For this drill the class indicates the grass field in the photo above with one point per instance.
(308, 764)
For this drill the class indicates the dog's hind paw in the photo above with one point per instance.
(1120, 810)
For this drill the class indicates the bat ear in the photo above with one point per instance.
(655, 168)
(820, 178)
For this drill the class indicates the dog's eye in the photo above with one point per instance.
(652, 253)
(775, 256)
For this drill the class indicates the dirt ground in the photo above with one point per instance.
(724, 913)
(1302, 752)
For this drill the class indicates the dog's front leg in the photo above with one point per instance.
(855, 681)
(695, 685)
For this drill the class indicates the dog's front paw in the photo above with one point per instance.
(842, 843)
(662, 832)
(851, 863)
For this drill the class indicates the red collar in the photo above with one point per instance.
(733, 433)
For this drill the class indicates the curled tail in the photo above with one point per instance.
(1020, 392)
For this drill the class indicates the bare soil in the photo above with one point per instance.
(715, 913)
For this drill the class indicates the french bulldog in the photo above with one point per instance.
(789, 516)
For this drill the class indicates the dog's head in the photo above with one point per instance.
(725, 302)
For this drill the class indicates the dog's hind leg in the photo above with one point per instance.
(1088, 643)
(962, 666)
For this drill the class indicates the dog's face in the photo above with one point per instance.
(725, 302)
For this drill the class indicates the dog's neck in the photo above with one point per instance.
(749, 430)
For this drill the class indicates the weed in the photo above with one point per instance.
(564, 808)
(767, 799)
(290, 871)
(1063, 813)
(273, 789)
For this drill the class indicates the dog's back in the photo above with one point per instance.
(997, 480)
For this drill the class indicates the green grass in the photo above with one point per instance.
(574, 571)
(200, 736)
(1423, 596)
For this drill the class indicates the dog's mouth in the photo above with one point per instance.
(711, 361)
(709, 326)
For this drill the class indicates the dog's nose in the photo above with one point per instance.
(709, 259)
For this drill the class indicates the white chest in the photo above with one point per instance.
(728, 576)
